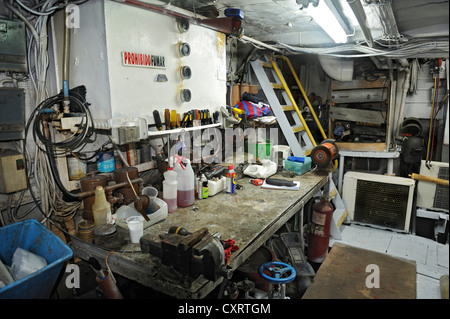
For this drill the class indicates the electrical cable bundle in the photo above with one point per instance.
(72, 144)
(35, 15)
(434, 112)
(406, 50)
(435, 66)
(75, 142)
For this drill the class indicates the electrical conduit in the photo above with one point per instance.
(401, 110)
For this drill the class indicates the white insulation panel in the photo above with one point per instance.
(108, 28)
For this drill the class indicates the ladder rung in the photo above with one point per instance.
(288, 108)
(277, 86)
(298, 128)
(266, 64)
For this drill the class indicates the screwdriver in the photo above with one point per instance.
(185, 120)
(178, 120)
(179, 231)
(158, 122)
(208, 120)
(167, 118)
(173, 119)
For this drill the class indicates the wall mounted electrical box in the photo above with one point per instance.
(13, 48)
(12, 114)
(12, 172)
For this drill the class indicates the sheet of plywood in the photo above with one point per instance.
(343, 276)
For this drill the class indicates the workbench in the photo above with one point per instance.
(250, 217)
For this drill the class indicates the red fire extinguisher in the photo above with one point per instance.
(319, 231)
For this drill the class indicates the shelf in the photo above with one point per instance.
(179, 130)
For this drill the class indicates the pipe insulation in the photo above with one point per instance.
(339, 69)
(401, 110)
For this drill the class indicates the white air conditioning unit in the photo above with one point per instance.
(379, 200)
(430, 195)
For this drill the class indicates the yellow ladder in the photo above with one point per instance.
(303, 144)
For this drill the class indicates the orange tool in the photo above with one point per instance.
(257, 182)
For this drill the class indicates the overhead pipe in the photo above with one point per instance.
(405, 88)
(224, 25)
(360, 15)
(206, 23)
(429, 179)
(392, 101)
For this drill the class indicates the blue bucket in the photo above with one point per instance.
(34, 237)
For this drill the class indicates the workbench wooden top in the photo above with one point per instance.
(250, 217)
(242, 216)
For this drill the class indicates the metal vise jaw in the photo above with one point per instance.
(199, 253)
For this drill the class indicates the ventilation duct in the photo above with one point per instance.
(339, 69)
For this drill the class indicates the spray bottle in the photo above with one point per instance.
(231, 180)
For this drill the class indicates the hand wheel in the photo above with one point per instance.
(277, 270)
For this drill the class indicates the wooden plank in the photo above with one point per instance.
(362, 147)
(359, 84)
(343, 276)
(356, 115)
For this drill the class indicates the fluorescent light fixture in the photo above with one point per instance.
(327, 21)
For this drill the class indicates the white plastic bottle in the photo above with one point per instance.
(101, 208)
(186, 183)
(170, 187)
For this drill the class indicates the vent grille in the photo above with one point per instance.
(441, 195)
(381, 204)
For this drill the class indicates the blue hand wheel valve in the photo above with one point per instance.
(277, 269)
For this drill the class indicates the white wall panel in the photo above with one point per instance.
(108, 28)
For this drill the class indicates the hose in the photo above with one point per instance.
(49, 147)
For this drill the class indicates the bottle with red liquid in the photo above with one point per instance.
(170, 187)
(186, 182)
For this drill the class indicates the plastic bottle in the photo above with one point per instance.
(170, 185)
(205, 189)
(199, 190)
(231, 183)
(101, 208)
(186, 181)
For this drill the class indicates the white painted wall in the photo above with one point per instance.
(419, 104)
(107, 28)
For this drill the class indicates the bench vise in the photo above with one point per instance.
(191, 254)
